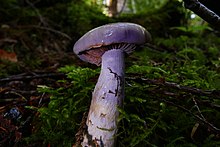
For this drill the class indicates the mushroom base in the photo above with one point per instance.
(107, 97)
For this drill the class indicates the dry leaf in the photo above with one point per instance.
(10, 56)
(195, 127)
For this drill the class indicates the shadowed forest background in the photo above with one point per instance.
(172, 88)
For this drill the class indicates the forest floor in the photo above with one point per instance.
(172, 84)
(25, 66)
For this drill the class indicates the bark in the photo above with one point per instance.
(202, 11)
(113, 8)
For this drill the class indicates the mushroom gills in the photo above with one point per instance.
(94, 55)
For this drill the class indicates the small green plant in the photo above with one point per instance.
(59, 121)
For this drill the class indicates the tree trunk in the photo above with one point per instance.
(113, 8)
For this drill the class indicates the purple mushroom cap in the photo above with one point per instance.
(91, 46)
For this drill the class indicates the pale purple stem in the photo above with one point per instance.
(107, 96)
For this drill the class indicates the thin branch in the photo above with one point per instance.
(48, 29)
(159, 82)
(45, 24)
(211, 126)
(54, 31)
(24, 43)
(202, 11)
(157, 48)
(24, 92)
(29, 77)
(37, 12)
(212, 93)
(198, 109)
(8, 40)
(163, 83)
(176, 95)
(42, 20)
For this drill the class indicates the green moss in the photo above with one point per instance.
(58, 123)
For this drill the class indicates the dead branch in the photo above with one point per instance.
(54, 31)
(198, 109)
(8, 40)
(210, 93)
(159, 82)
(37, 12)
(45, 24)
(200, 119)
(47, 29)
(202, 11)
(30, 77)
(157, 48)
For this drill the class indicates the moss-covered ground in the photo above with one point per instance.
(172, 84)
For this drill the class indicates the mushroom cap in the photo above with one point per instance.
(114, 33)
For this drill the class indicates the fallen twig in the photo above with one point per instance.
(54, 31)
(47, 29)
(28, 77)
(8, 40)
(204, 121)
(210, 93)
(198, 109)
(37, 12)
(157, 48)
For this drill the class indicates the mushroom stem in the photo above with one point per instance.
(107, 96)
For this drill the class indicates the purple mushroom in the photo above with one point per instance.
(106, 46)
